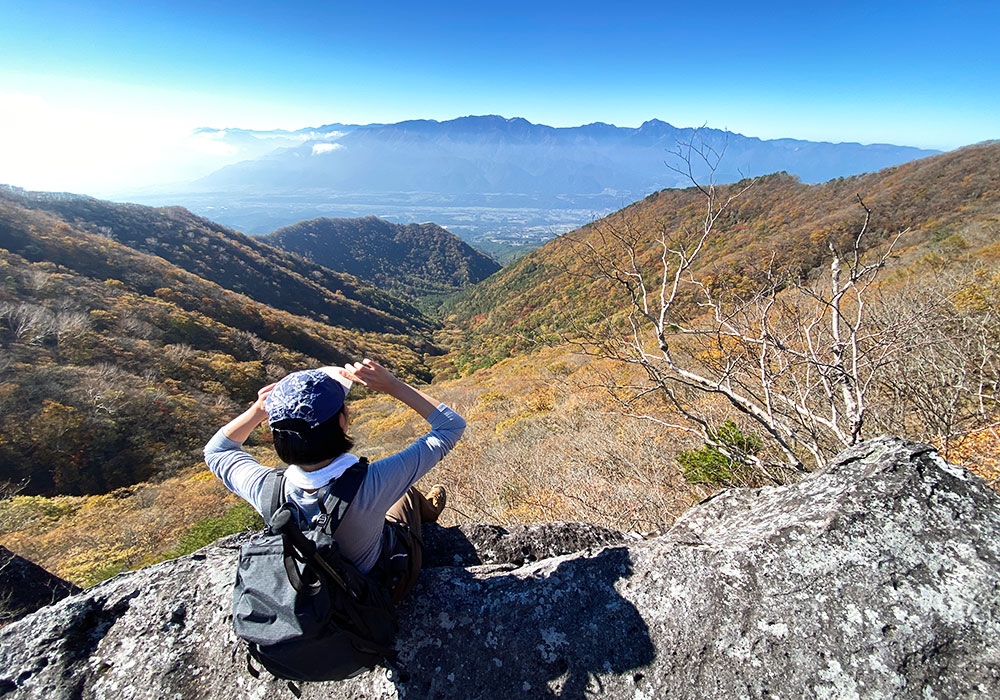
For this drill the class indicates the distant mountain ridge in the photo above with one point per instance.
(505, 186)
(495, 157)
(415, 260)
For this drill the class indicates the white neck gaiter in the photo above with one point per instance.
(310, 481)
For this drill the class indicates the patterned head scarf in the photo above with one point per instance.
(312, 395)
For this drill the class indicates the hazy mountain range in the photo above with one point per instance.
(503, 185)
(490, 159)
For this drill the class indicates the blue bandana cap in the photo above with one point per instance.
(312, 395)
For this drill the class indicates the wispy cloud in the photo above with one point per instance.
(212, 143)
(321, 136)
(321, 148)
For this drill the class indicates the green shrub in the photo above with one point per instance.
(941, 233)
(954, 244)
(102, 573)
(710, 467)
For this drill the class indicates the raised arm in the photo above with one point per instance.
(240, 427)
(393, 475)
(240, 472)
(376, 377)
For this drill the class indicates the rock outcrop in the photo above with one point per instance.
(877, 578)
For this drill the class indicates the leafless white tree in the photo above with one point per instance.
(797, 359)
(33, 323)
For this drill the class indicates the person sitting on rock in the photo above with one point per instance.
(309, 421)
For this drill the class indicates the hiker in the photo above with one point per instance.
(309, 422)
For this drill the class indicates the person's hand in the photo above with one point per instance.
(374, 376)
(240, 427)
(262, 393)
(370, 374)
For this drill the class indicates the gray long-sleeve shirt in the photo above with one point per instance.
(360, 532)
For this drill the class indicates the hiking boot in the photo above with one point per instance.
(437, 498)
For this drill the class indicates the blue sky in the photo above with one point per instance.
(130, 80)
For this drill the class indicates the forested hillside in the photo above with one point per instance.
(414, 260)
(240, 263)
(117, 365)
(949, 205)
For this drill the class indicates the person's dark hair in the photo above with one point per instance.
(297, 443)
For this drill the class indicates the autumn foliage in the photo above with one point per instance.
(949, 204)
(117, 364)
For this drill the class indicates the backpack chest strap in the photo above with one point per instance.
(344, 488)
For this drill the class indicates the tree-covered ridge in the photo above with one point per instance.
(416, 260)
(950, 203)
(232, 260)
(116, 366)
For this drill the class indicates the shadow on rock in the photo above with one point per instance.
(548, 630)
(25, 587)
(474, 544)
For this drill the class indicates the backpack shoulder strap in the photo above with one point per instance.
(342, 492)
(272, 494)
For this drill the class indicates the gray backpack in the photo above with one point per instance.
(306, 612)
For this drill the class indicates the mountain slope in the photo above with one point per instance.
(551, 290)
(240, 263)
(416, 260)
(117, 365)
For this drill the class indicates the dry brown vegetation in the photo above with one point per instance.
(86, 539)
(542, 444)
(815, 316)
(944, 202)
(112, 360)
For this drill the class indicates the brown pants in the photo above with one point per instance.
(411, 511)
